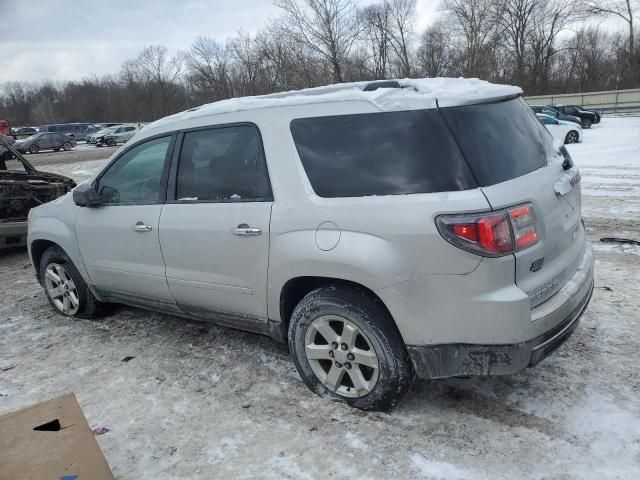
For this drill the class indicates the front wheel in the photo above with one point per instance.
(65, 288)
(34, 149)
(111, 142)
(572, 137)
(346, 347)
(586, 123)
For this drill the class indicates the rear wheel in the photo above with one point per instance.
(34, 148)
(586, 123)
(67, 146)
(572, 137)
(346, 347)
(65, 288)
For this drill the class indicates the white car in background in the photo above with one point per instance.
(566, 132)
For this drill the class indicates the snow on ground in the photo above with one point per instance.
(202, 402)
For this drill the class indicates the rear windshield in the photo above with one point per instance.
(501, 141)
(388, 153)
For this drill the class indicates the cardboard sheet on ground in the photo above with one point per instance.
(50, 440)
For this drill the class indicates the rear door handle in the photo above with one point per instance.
(245, 230)
(140, 227)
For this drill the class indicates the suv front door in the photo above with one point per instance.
(119, 239)
(214, 229)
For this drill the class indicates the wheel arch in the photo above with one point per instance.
(37, 249)
(295, 289)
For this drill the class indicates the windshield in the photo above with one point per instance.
(34, 136)
(107, 130)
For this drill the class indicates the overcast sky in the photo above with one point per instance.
(72, 39)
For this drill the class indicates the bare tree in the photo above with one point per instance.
(435, 54)
(624, 10)
(517, 18)
(375, 22)
(476, 23)
(402, 13)
(208, 65)
(330, 28)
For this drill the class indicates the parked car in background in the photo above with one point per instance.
(98, 137)
(5, 128)
(23, 132)
(45, 141)
(383, 236)
(587, 117)
(552, 112)
(78, 130)
(22, 187)
(565, 132)
(121, 134)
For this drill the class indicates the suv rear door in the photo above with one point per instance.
(214, 229)
(515, 162)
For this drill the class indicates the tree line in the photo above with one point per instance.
(544, 46)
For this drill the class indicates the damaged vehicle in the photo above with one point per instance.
(383, 230)
(22, 187)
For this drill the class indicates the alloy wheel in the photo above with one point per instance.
(572, 137)
(61, 289)
(341, 356)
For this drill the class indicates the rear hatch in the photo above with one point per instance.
(515, 161)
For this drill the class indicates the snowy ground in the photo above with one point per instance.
(199, 401)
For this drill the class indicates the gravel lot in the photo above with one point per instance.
(200, 401)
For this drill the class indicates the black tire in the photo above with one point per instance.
(89, 307)
(572, 137)
(586, 123)
(369, 315)
(111, 142)
(67, 146)
(34, 148)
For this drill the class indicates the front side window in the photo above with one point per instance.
(135, 177)
(390, 153)
(222, 164)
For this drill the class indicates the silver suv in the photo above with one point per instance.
(384, 230)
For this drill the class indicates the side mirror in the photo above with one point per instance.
(85, 195)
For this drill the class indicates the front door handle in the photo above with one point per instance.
(140, 227)
(245, 230)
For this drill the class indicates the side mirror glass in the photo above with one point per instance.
(85, 195)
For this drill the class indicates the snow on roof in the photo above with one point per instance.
(415, 93)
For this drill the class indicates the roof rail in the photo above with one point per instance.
(382, 84)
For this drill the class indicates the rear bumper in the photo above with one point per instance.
(13, 235)
(563, 311)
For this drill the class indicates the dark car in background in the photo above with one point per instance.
(23, 132)
(552, 112)
(78, 130)
(587, 117)
(45, 141)
(22, 187)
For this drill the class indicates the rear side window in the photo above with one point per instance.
(390, 153)
(501, 140)
(222, 164)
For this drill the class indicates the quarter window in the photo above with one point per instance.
(222, 164)
(390, 153)
(135, 177)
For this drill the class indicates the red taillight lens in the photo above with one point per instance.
(491, 234)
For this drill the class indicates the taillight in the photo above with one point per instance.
(491, 234)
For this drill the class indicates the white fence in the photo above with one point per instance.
(614, 101)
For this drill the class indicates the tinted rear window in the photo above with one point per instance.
(388, 153)
(501, 141)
